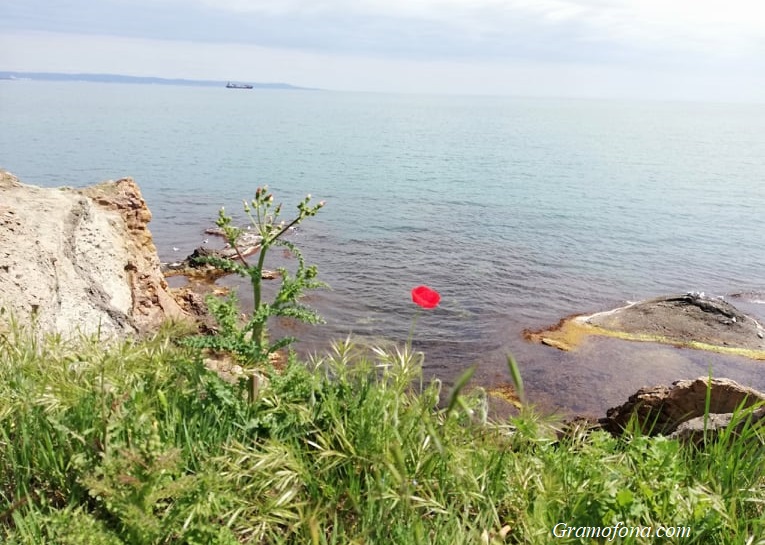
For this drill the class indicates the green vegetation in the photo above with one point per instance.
(136, 442)
(249, 342)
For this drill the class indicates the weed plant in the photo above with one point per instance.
(137, 443)
(249, 341)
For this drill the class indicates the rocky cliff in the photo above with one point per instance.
(80, 260)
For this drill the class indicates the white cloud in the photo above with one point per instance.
(587, 47)
(707, 26)
(669, 31)
(733, 27)
(745, 15)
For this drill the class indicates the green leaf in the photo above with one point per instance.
(624, 497)
(458, 386)
(515, 374)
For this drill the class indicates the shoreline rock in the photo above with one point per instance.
(81, 260)
(690, 320)
(194, 268)
(679, 410)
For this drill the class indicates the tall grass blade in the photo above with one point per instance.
(515, 374)
(707, 405)
(458, 386)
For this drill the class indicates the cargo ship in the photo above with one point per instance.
(230, 85)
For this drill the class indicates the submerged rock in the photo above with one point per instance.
(690, 320)
(81, 259)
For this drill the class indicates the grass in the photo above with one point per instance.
(137, 443)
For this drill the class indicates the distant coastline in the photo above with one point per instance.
(141, 80)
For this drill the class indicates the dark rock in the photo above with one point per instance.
(700, 429)
(196, 266)
(662, 409)
(197, 257)
(688, 318)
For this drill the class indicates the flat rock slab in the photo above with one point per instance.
(686, 318)
(690, 320)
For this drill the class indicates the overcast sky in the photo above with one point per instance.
(672, 49)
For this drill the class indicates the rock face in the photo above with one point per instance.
(680, 408)
(81, 259)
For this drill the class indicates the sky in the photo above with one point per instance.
(658, 49)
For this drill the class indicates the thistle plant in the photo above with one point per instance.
(249, 341)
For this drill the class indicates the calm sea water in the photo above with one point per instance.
(518, 211)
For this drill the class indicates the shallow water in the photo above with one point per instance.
(518, 211)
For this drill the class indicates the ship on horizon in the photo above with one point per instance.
(230, 85)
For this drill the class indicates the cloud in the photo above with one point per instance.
(702, 26)
(615, 31)
(498, 46)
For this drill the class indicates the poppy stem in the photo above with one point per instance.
(411, 329)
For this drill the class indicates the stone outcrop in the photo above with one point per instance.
(198, 270)
(690, 320)
(680, 408)
(81, 260)
(687, 318)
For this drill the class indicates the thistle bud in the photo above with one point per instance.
(322, 203)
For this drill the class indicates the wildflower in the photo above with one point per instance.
(425, 297)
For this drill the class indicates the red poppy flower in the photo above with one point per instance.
(425, 297)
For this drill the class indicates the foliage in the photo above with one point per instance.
(249, 342)
(136, 442)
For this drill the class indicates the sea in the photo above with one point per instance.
(518, 211)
